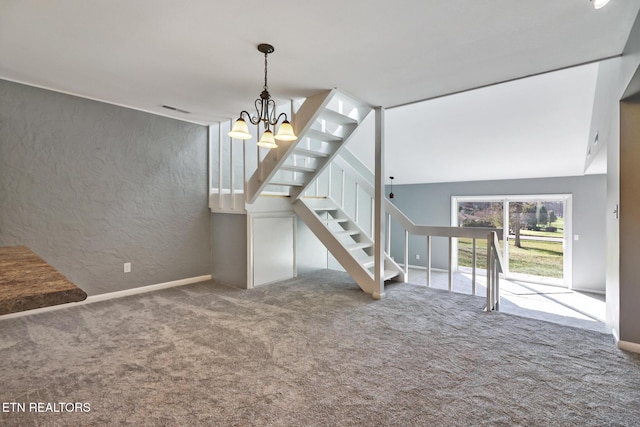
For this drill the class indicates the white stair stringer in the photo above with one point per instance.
(349, 244)
(324, 123)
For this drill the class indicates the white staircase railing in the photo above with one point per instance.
(345, 240)
(356, 173)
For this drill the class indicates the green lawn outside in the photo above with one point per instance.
(559, 224)
(558, 233)
(538, 258)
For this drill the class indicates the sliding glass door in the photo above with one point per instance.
(535, 241)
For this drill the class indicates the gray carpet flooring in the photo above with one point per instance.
(310, 351)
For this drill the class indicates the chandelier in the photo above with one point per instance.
(265, 115)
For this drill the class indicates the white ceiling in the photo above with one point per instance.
(201, 55)
(528, 128)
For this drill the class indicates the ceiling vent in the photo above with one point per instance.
(169, 107)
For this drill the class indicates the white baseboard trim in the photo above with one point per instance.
(423, 268)
(629, 346)
(616, 337)
(588, 291)
(143, 289)
(111, 295)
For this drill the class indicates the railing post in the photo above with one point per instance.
(342, 195)
(497, 281)
(329, 187)
(220, 164)
(244, 169)
(406, 254)
(389, 233)
(450, 264)
(357, 202)
(428, 261)
(489, 275)
(378, 235)
(473, 267)
(373, 217)
(231, 170)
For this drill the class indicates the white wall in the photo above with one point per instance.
(613, 78)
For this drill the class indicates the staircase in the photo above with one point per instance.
(324, 124)
(346, 241)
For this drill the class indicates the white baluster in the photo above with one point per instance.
(473, 267)
(428, 261)
(406, 254)
(450, 264)
(357, 201)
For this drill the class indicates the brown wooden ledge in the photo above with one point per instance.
(28, 282)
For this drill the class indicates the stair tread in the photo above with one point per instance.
(325, 208)
(334, 220)
(347, 232)
(286, 183)
(297, 168)
(323, 136)
(390, 274)
(359, 245)
(309, 153)
(335, 117)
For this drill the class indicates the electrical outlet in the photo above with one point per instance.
(417, 256)
(127, 267)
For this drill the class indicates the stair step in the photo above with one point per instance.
(357, 246)
(325, 209)
(322, 136)
(347, 233)
(387, 275)
(297, 168)
(309, 153)
(286, 183)
(335, 117)
(334, 220)
(390, 274)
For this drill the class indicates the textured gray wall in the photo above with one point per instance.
(229, 248)
(430, 204)
(89, 186)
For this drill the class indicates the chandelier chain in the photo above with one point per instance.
(265, 73)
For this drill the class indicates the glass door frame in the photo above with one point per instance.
(567, 241)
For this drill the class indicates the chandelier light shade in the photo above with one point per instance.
(285, 132)
(267, 140)
(240, 130)
(265, 115)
